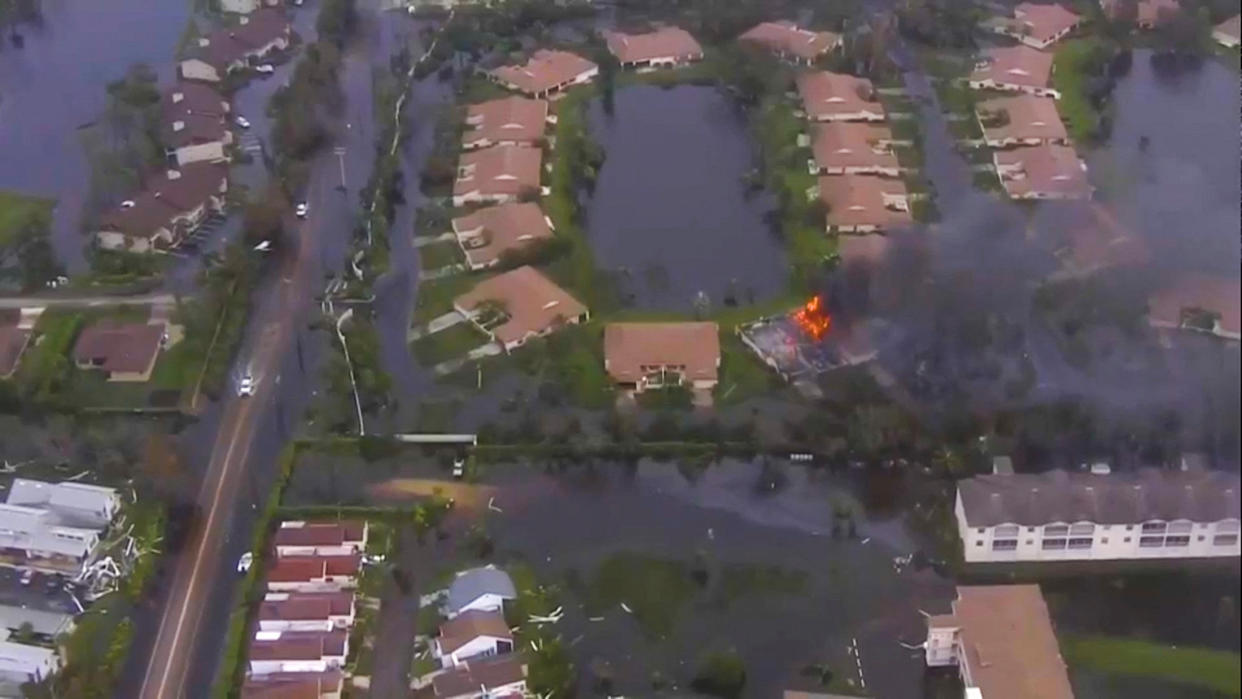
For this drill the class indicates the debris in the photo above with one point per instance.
(491, 505)
(595, 618)
(864, 541)
(626, 608)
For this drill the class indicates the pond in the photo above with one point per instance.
(670, 214)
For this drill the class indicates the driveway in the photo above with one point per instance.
(398, 615)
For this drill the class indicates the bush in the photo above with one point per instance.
(720, 674)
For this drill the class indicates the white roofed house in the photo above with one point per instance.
(54, 527)
(479, 589)
(78, 503)
(21, 663)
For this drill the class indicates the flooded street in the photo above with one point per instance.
(670, 212)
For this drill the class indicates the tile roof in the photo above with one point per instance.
(305, 606)
(499, 171)
(293, 685)
(630, 346)
(1219, 295)
(489, 232)
(195, 98)
(787, 37)
(532, 303)
(508, 119)
(471, 584)
(1025, 117)
(171, 194)
(467, 626)
(1150, 12)
(826, 94)
(298, 533)
(840, 144)
(228, 45)
(665, 42)
(1117, 498)
(544, 71)
(1043, 22)
(118, 347)
(859, 200)
(1014, 65)
(1043, 170)
(472, 676)
(310, 568)
(298, 645)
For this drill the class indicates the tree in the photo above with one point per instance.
(336, 21)
(263, 219)
(721, 674)
(607, 80)
(161, 467)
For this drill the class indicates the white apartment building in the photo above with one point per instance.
(1097, 515)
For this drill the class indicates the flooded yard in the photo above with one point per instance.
(670, 214)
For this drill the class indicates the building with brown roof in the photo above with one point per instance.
(1001, 639)
(1098, 515)
(472, 634)
(295, 685)
(838, 97)
(230, 48)
(298, 651)
(306, 611)
(1021, 120)
(193, 123)
(1228, 33)
(663, 47)
(495, 677)
(172, 206)
(791, 42)
(1200, 303)
(314, 573)
(508, 121)
(1042, 172)
(299, 538)
(1148, 14)
(488, 233)
(864, 203)
(122, 351)
(848, 148)
(1037, 26)
(639, 356)
(13, 341)
(518, 305)
(546, 72)
(497, 175)
(1014, 69)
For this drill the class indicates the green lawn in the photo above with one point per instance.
(439, 255)
(576, 271)
(16, 209)
(655, 589)
(1070, 75)
(435, 298)
(742, 375)
(1200, 667)
(447, 344)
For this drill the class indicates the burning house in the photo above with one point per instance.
(805, 343)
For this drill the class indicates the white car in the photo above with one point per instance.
(459, 468)
(265, 68)
(244, 563)
(302, 209)
(246, 386)
(241, 121)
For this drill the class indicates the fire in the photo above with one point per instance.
(812, 318)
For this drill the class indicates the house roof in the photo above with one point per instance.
(74, 504)
(472, 584)
(119, 347)
(1117, 498)
(1027, 116)
(167, 196)
(859, 200)
(787, 37)
(180, 130)
(471, 676)
(297, 645)
(1086, 239)
(665, 42)
(305, 606)
(498, 170)
(1219, 295)
(1008, 642)
(13, 342)
(1150, 12)
(293, 685)
(513, 119)
(23, 660)
(1045, 169)
(201, 111)
(299, 533)
(1014, 65)
(194, 97)
(628, 347)
(467, 626)
(1043, 22)
(231, 44)
(34, 528)
(42, 622)
(532, 302)
(826, 94)
(545, 70)
(309, 568)
(503, 228)
(1231, 27)
(851, 144)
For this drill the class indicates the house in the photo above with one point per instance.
(13, 342)
(1021, 120)
(480, 590)
(1098, 515)
(44, 624)
(497, 175)
(1037, 26)
(545, 73)
(231, 48)
(1014, 69)
(314, 573)
(74, 504)
(171, 207)
(508, 121)
(488, 233)
(1227, 33)
(791, 42)
(306, 611)
(484, 679)
(1199, 303)
(244, 7)
(838, 97)
(1042, 172)
(517, 305)
(848, 148)
(21, 663)
(34, 538)
(298, 651)
(639, 356)
(864, 203)
(1086, 239)
(664, 47)
(1000, 637)
(298, 538)
(329, 684)
(124, 352)
(1149, 13)
(470, 635)
(194, 124)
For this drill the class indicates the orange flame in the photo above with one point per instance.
(813, 319)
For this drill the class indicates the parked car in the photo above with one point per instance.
(265, 68)
(241, 121)
(459, 467)
(245, 388)
(302, 209)
(244, 563)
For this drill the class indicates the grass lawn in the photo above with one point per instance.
(435, 298)
(1069, 76)
(1200, 667)
(439, 255)
(16, 209)
(477, 88)
(964, 129)
(450, 343)
(742, 375)
(987, 181)
(654, 588)
(576, 271)
(956, 98)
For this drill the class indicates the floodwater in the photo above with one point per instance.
(670, 212)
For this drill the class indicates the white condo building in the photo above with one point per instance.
(1061, 516)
